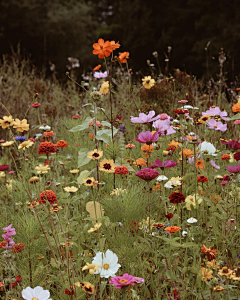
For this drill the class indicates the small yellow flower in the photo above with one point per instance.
(74, 171)
(148, 82)
(104, 89)
(21, 125)
(90, 181)
(34, 179)
(118, 191)
(96, 228)
(25, 144)
(91, 267)
(206, 274)
(191, 200)
(225, 272)
(107, 166)
(41, 169)
(70, 189)
(7, 144)
(95, 154)
(6, 121)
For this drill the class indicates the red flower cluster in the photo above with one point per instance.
(121, 170)
(177, 197)
(61, 144)
(18, 279)
(18, 248)
(202, 178)
(180, 111)
(169, 216)
(46, 147)
(49, 196)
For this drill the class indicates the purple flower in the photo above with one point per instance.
(235, 145)
(224, 182)
(215, 111)
(212, 124)
(99, 75)
(143, 118)
(234, 169)
(147, 174)
(139, 280)
(124, 280)
(147, 137)
(9, 232)
(212, 162)
(167, 164)
(164, 127)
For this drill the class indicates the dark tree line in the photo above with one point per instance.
(54, 30)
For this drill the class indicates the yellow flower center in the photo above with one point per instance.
(106, 266)
(123, 281)
(215, 126)
(34, 298)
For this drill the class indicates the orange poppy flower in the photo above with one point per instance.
(123, 57)
(225, 156)
(102, 49)
(200, 164)
(236, 107)
(172, 229)
(114, 45)
(140, 162)
(97, 68)
(187, 152)
(174, 144)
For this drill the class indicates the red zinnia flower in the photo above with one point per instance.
(121, 170)
(36, 104)
(147, 174)
(4, 167)
(61, 144)
(49, 196)
(18, 248)
(177, 197)
(202, 178)
(46, 147)
(169, 216)
(181, 111)
(236, 156)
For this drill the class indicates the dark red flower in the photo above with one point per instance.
(177, 197)
(236, 155)
(46, 147)
(147, 174)
(169, 216)
(18, 279)
(4, 167)
(180, 111)
(202, 178)
(121, 170)
(47, 162)
(69, 293)
(49, 196)
(226, 178)
(18, 248)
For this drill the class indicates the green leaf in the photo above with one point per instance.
(82, 126)
(83, 175)
(188, 245)
(236, 117)
(82, 157)
(107, 124)
(106, 135)
(53, 263)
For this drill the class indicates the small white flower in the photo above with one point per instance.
(196, 108)
(108, 262)
(184, 233)
(207, 147)
(168, 185)
(44, 127)
(38, 134)
(175, 121)
(37, 293)
(192, 220)
(187, 107)
(161, 178)
(191, 133)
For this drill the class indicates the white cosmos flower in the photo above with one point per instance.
(108, 263)
(38, 293)
(44, 127)
(207, 147)
(161, 178)
(192, 220)
(184, 233)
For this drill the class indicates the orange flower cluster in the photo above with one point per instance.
(46, 147)
(18, 248)
(61, 144)
(104, 49)
(121, 170)
(49, 196)
(140, 162)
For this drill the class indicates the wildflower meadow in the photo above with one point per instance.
(121, 186)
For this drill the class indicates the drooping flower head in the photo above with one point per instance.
(143, 118)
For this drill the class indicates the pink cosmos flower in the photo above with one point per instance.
(163, 117)
(167, 164)
(164, 127)
(143, 118)
(147, 137)
(125, 280)
(212, 162)
(215, 111)
(212, 124)
(237, 122)
(224, 182)
(234, 169)
(9, 232)
(147, 174)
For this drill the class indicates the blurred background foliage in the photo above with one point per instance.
(52, 31)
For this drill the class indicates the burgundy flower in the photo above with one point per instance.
(169, 216)
(234, 169)
(180, 111)
(147, 174)
(235, 145)
(177, 197)
(4, 167)
(236, 155)
(147, 137)
(226, 178)
(224, 182)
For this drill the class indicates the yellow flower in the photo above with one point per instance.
(218, 288)
(6, 121)
(148, 82)
(190, 200)
(42, 169)
(21, 125)
(117, 191)
(104, 89)
(91, 267)
(25, 144)
(204, 119)
(225, 272)
(95, 154)
(34, 179)
(70, 189)
(206, 274)
(7, 144)
(107, 166)
(90, 181)
(86, 286)
(2, 175)
(74, 171)
(96, 228)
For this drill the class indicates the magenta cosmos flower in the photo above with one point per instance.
(234, 169)
(143, 118)
(125, 280)
(7, 236)
(147, 174)
(167, 164)
(147, 137)
(212, 124)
